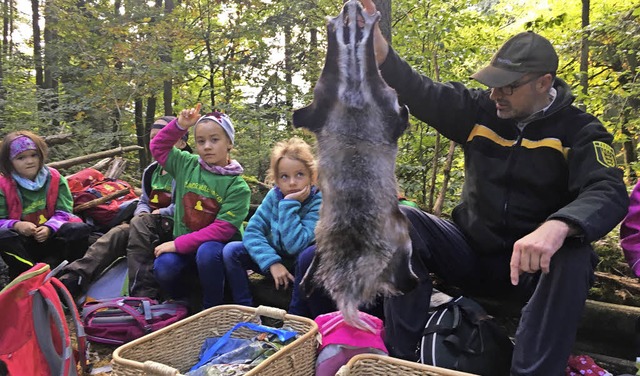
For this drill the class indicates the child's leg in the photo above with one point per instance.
(211, 273)
(318, 302)
(236, 263)
(170, 270)
(81, 273)
(14, 252)
(72, 239)
(143, 238)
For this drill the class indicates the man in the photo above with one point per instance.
(540, 184)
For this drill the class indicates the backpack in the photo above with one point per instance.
(34, 336)
(461, 336)
(108, 214)
(341, 341)
(120, 320)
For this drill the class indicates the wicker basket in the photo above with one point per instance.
(175, 348)
(378, 365)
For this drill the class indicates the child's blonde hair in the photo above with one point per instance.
(6, 167)
(293, 148)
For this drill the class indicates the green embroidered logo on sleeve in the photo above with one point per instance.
(604, 154)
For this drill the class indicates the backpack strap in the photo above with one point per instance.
(146, 177)
(120, 304)
(44, 312)
(9, 189)
(81, 336)
(52, 192)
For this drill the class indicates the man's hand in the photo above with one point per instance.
(25, 228)
(380, 45)
(300, 195)
(534, 251)
(42, 233)
(189, 117)
(281, 275)
(165, 247)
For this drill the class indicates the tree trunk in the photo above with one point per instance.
(384, 6)
(37, 48)
(167, 85)
(149, 118)
(50, 64)
(446, 172)
(584, 52)
(139, 123)
(436, 148)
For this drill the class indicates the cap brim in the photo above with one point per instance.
(496, 77)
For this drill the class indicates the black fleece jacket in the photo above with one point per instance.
(554, 165)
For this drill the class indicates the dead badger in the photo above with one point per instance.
(363, 244)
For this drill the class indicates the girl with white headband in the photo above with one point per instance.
(211, 201)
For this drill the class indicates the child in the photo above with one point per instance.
(156, 200)
(211, 201)
(282, 227)
(630, 232)
(36, 220)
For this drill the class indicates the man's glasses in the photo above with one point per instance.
(508, 90)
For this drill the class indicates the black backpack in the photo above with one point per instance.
(461, 336)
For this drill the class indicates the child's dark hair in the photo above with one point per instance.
(6, 167)
(293, 148)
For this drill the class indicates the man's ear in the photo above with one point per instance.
(545, 83)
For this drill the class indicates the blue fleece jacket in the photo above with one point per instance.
(281, 227)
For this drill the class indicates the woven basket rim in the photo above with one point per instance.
(400, 362)
(261, 310)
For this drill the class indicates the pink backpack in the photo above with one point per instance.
(340, 341)
(34, 336)
(120, 320)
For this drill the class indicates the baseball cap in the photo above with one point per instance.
(523, 53)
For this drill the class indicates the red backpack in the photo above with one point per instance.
(85, 187)
(34, 336)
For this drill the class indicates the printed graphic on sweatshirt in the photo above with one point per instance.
(199, 211)
(159, 199)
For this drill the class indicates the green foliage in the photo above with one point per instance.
(259, 60)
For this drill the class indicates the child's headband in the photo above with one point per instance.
(223, 120)
(21, 144)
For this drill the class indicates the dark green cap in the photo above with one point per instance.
(524, 53)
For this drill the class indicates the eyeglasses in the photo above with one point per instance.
(508, 90)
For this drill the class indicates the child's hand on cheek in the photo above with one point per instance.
(300, 195)
(25, 228)
(42, 233)
(189, 117)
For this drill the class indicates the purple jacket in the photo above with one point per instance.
(630, 232)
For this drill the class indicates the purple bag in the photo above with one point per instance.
(120, 320)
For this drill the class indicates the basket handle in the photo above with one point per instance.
(155, 368)
(274, 313)
(343, 371)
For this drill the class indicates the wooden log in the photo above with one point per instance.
(91, 157)
(102, 164)
(101, 200)
(116, 168)
(58, 139)
(631, 284)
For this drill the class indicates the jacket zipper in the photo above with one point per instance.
(512, 159)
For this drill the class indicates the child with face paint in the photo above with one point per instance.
(36, 220)
(211, 201)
